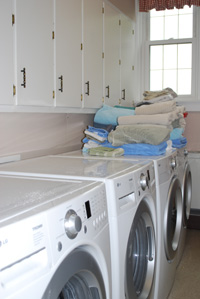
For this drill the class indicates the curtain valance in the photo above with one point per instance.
(146, 5)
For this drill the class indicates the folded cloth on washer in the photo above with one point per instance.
(151, 134)
(165, 119)
(179, 122)
(156, 108)
(176, 133)
(163, 98)
(108, 115)
(106, 152)
(142, 149)
(179, 143)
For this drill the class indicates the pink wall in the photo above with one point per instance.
(192, 131)
(37, 134)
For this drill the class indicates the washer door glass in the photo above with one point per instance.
(173, 219)
(187, 193)
(140, 254)
(78, 276)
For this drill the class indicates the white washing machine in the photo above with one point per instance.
(50, 243)
(185, 176)
(131, 201)
(169, 209)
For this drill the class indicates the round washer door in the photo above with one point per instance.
(187, 193)
(173, 219)
(78, 276)
(140, 254)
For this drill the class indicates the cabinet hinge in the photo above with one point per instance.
(53, 35)
(53, 94)
(133, 31)
(81, 97)
(120, 62)
(119, 22)
(14, 90)
(102, 99)
(103, 55)
(13, 20)
(133, 67)
(102, 9)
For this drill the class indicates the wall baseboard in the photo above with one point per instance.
(194, 220)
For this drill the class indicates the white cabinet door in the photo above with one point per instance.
(93, 49)
(112, 55)
(6, 53)
(34, 50)
(68, 37)
(127, 61)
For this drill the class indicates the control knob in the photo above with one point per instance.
(143, 181)
(73, 224)
(173, 163)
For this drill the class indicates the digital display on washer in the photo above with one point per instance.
(88, 210)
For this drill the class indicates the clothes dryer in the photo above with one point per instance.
(131, 198)
(50, 245)
(185, 176)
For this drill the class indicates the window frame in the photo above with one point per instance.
(190, 101)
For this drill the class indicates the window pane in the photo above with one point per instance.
(184, 82)
(171, 27)
(156, 31)
(185, 26)
(170, 79)
(170, 57)
(155, 13)
(185, 56)
(156, 57)
(156, 80)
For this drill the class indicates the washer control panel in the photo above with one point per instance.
(77, 217)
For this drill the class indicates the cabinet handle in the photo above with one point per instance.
(61, 83)
(108, 91)
(123, 94)
(24, 77)
(88, 88)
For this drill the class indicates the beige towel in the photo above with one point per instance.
(156, 108)
(149, 95)
(151, 134)
(165, 119)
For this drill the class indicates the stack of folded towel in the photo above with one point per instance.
(146, 130)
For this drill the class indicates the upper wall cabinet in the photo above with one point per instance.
(68, 62)
(93, 49)
(127, 60)
(6, 53)
(111, 55)
(34, 52)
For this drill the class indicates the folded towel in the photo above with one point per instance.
(108, 115)
(179, 143)
(149, 95)
(106, 152)
(165, 119)
(176, 133)
(96, 133)
(156, 108)
(152, 134)
(141, 149)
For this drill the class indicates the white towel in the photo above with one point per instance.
(156, 108)
(165, 119)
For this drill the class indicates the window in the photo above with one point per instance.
(170, 50)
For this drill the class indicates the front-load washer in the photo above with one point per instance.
(185, 176)
(54, 239)
(130, 189)
(168, 214)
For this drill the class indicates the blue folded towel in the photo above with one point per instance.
(142, 149)
(179, 143)
(176, 133)
(109, 115)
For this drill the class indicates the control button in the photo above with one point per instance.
(72, 223)
(59, 246)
